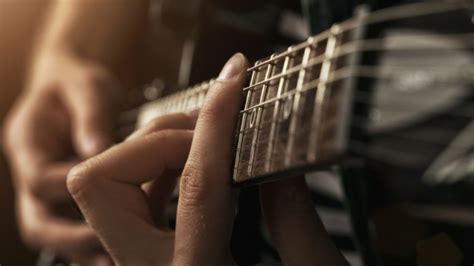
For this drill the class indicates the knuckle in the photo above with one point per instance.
(29, 234)
(193, 188)
(164, 136)
(35, 182)
(155, 124)
(156, 138)
(13, 125)
(10, 126)
(169, 121)
(79, 180)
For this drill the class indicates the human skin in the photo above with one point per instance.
(66, 111)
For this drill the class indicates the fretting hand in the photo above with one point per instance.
(109, 191)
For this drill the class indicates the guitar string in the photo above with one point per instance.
(373, 45)
(406, 11)
(346, 49)
(341, 74)
(337, 75)
(413, 138)
(371, 74)
(365, 45)
(374, 17)
(132, 113)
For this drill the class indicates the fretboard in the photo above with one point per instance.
(294, 101)
(184, 101)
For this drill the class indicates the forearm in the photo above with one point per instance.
(103, 30)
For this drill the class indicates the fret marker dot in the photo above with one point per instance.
(253, 117)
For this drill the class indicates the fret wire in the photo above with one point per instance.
(405, 11)
(321, 93)
(177, 100)
(174, 99)
(202, 95)
(175, 103)
(293, 49)
(336, 75)
(290, 71)
(191, 97)
(257, 121)
(167, 105)
(192, 94)
(185, 96)
(197, 95)
(183, 101)
(191, 100)
(196, 100)
(276, 113)
(296, 105)
(242, 125)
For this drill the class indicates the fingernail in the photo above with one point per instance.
(233, 67)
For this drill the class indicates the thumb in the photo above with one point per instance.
(92, 106)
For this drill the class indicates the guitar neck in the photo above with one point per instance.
(298, 102)
(184, 101)
(293, 101)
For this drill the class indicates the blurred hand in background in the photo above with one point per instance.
(66, 114)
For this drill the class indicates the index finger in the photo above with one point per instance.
(205, 209)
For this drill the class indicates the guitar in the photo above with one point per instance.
(345, 99)
(302, 106)
(385, 97)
